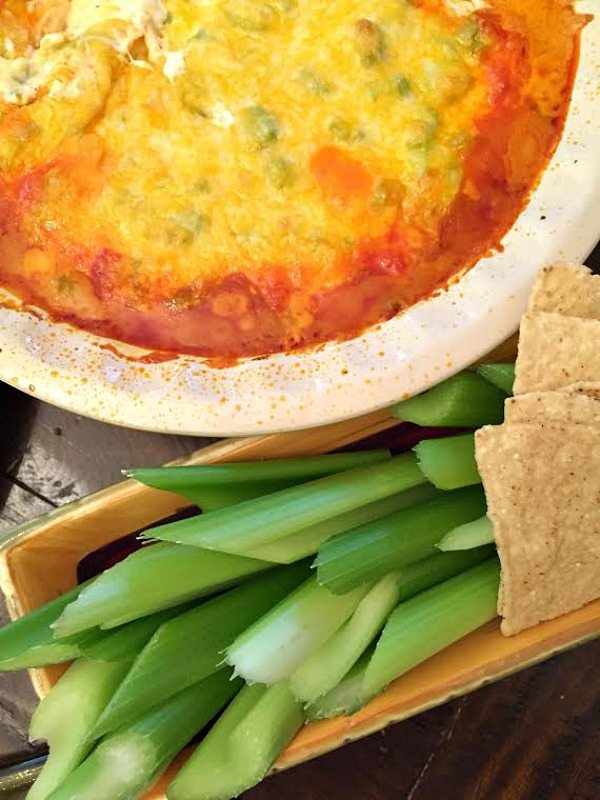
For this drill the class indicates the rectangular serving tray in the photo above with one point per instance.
(38, 561)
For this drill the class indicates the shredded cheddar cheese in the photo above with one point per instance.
(291, 147)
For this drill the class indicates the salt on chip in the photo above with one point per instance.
(572, 407)
(555, 351)
(542, 484)
(568, 289)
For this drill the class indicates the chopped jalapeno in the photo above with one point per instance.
(280, 172)
(370, 42)
(396, 85)
(401, 85)
(314, 82)
(341, 129)
(262, 127)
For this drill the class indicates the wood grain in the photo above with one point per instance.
(534, 736)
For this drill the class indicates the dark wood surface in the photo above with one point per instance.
(534, 736)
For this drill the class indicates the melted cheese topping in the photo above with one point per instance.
(142, 16)
(281, 140)
(222, 202)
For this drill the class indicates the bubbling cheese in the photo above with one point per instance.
(235, 176)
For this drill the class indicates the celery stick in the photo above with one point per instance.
(428, 572)
(472, 534)
(240, 749)
(501, 375)
(29, 641)
(370, 551)
(449, 463)
(346, 697)
(271, 649)
(127, 763)
(127, 640)
(429, 622)
(245, 526)
(465, 400)
(306, 542)
(156, 577)
(169, 663)
(66, 715)
(322, 671)
(213, 486)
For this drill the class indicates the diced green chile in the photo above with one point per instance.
(280, 172)
(396, 86)
(369, 42)
(401, 85)
(341, 129)
(262, 127)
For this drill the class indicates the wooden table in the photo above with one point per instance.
(535, 736)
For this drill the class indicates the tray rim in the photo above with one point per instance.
(406, 697)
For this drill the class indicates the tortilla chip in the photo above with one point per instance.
(589, 389)
(555, 351)
(568, 289)
(571, 407)
(542, 484)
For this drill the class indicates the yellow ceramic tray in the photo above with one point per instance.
(38, 561)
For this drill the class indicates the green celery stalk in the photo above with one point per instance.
(465, 400)
(213, 486)
(306, 542)
(449, 463)
(324, 670)
(155, 577)
(66, 716)
(270, 650)
(472, 534)
(29, 641)
(346, 697)
(501, 375)
(241, 747)
(431, 621)
(428, 572)
(243, 527)
(127, 640)
(370, 551)
(190, 647)
(128, 762)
